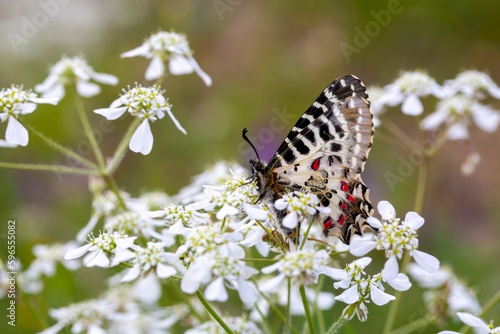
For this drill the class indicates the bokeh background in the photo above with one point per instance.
(264, 57)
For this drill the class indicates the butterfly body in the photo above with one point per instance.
(324, 154)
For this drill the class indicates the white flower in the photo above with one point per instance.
(470, 163)
(73, 70)
(300, 206)
(133, 223)
(154, 258)
(472, 83)
(106, 250)
(172, 47)
(376, 103)
(228, 199)
(15, 101)
(476, 323)
(302, 266)
(182, 217)
(87, 316)
(407, 89)
(457, 112)
(47, 256)
(148, 104)
(394, 237)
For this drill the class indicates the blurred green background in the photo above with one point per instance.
(263, 57)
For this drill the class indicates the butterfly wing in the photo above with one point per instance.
(325, 153)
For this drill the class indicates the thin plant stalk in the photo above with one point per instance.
(213, 313)
(122, 147)
(49, 168)
(335, 325)
(305, 302)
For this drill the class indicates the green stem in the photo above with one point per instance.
(336, 325)
(306, 234)
(492, 302)
(305, 302)
(264, 320)
(269, 232)
(122, 147)
(60, 148)
(213, 313)
(49, 168)
(414, 325)
(422, 180)
(395, 130)
(317, 310)
(279, 314)
(88, 131)
(288, 298)
(114, 188)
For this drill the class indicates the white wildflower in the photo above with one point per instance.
(299, 206)
(73, 70)
(148, 104)
(474, 322)
(472, 83)
(172, 47)
(239, 325)
(14, 102)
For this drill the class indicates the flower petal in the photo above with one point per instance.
(362, 245)
(179, 65)
(111, 113)
(255, 212)
(428, 262)
(164, 271)
(247, 292)
(142, 139)
(96, 259)
(414, 220)
(16, 134)
(350, 295)
(216, 291)
(472, 320)
(104, 78)
(155, 69)
(485, 118)
(272, 284)
(205, 77)
(391, 269)
(379, 297)
(132, 274)
(176, 122)
(434, 120)
(87, 89)
(290, 220)
(142, 50)
(400, 283)
(76, 253)
(412, 105)
(458, 131)
(386, 210)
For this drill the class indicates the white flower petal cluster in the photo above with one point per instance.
(74, 70)
(476, 323)
(214, 257)
(376, 103)
(407, 90)
(472, 83)
(172, 47)
(394, 237)
(229, 198)
(239, 325)
(180, 218)
(15, 101)
(446, 287)
(154, 258)
(106, 250)
(360, 288)
(147, 103)
(457, 112)
(299, 206)
(302, 266)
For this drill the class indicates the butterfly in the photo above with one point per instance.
(324, 154)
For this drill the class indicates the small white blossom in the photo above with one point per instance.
(470, 163)
(394, 237)
(376, 103)
(300, 206)
(172, 47)
(15, 101)
(87, 316)
(152, 257)
(73, 70)
(457, 112)
(148, 104)
(302, 266)
(407, 89)
(182, 217)
(474, 322)
(47, 256)
(472, 83)
(106, 250)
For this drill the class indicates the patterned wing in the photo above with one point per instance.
(326, 158)
(333, 98)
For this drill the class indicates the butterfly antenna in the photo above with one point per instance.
(244, 135)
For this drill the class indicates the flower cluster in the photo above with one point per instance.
(172, 47)
(15, 101)
(299, 206)
(146, 103)
(73, 71)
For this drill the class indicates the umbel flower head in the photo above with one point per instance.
(74, 70)
(15, 101)
(148, 104)
(299, 206)
(172, 47)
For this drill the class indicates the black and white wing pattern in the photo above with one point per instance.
(324, 154)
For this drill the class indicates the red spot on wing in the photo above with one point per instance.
(344, 186)
(315, 164)
(343, 205)
(328, 223)
(350, 198)
(341, 220)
